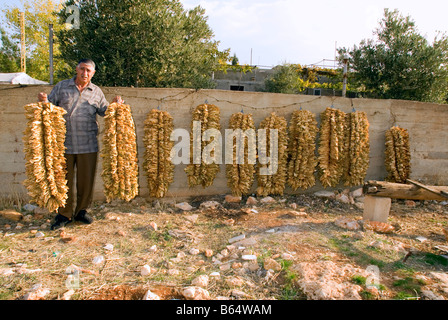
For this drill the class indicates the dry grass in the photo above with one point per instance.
(129, 227)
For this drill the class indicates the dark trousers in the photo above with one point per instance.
(83, 168)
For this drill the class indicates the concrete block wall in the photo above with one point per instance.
(426, 124)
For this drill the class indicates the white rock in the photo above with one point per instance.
(194, 251)
(173, 272)
(192, 218)
(184, 206)
(267, 200)
(421, 239)
(200, 281)
(39, 234)
(68, 295)
(357, 193)
(249, 257)
(153, 249)
(98, 259)
(109, 247)
(6, 272)
(37, 292)
(210, 205)
(287, 256)
(324, 194)
(146, 271)
(215, 275)
(151, 296)
(30, 207)
(344, 198)
(237, 238)
(238, 293)
(195, 293)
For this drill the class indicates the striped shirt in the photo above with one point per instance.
(82, 108)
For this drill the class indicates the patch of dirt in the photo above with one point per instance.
(298, 232)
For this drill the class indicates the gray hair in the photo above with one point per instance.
(87, 61)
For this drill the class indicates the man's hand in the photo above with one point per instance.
(118, 100)
(42, 97)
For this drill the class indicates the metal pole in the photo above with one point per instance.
(22, 43)
(344, 84)
(51, 53)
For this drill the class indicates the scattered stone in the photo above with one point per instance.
(208, 253)
(325, 194)
(421, 239)
(200, 281)
(121, 233)
(271, 264)
(29, 207)
(234, 282)
(98, 259)
(195, 293)
(344, 198)
(237, 238)
(192, 218)
(194, 251)
(11, 215)
(267, 200)
(252, 265)
(251, 201)
(39, 234)
(237, 265)
(429, 295)
(297, 213)
(153, 249)
(151, 296)
(287, 256)
(68, 295)
(357, 193)
(146, 270)
(238, 293)
(109, 247)
(153, 225)
(184, 206)
(215, 275)
(232, 199)
(6, 271)
(229, 222)
(347, 223)
(173, 272)
(28, 218)
(378, 226)
(248, 257)
(410, 203)
(210, 205)
(225, 267)
(37, 292)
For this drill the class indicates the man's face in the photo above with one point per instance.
(85, 72)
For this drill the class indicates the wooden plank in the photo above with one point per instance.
(402, 191)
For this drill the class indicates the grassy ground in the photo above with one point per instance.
(161, 236)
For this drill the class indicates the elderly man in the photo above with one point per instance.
(83, 101)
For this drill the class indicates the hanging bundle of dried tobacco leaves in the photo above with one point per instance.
(274, 180)
(44, 150)
(397, 155)
(302, 145)
(119, 153)
(240, 173)
(205, 117)
(157, 165)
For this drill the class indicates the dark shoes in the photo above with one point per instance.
(83, 217)
(60, 221)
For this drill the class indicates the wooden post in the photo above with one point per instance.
(376, 208)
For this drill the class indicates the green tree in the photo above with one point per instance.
(146, 43)
(39, 14)
(295, 79)
(400, 63)
(9, 54)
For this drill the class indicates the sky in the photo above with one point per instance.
(272, 32)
